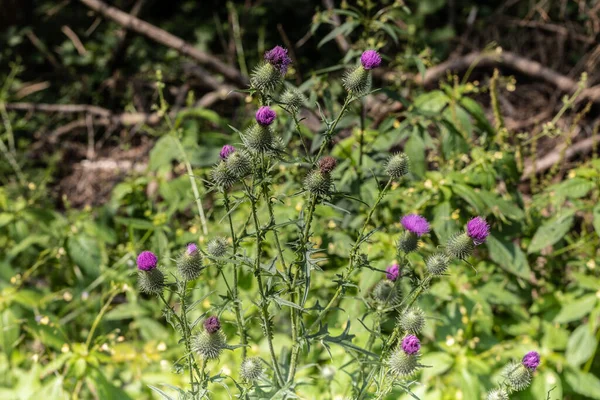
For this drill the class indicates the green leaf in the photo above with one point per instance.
(432, 102)
(509, 256)
(577, 309)
(573, 188)
(596, 214)
(440, 362)
(9, 331)
(86, 253)
(504, 207)
(415, 150)
(345, 29)
(550, 232)
(581, 345)
(477, 113)
(165, 150)
(470, 196)
(443, 225)
(583, 383)
(5, 218)
(104, 388)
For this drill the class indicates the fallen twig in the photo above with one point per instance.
(161, 36)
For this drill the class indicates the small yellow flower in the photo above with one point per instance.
(65, 348)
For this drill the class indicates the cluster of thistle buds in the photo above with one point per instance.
(517, 377)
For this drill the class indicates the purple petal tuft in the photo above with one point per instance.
(478, 230)
(531, 360)
(411, 344)
(226, 151)
(278, 58)
(146, 261)
(265, 116)
(212, 324)
(415, 224)
(393, 272)
(370, 59)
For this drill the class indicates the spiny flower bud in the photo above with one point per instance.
(413, 320)
(146, 261)
(151, 281)
(189, 264)
(402, 363)
(327, 164)
(437, 263)
(397, 165)
(293, 99)
(408, 242)
(478, 230)
(259, 138)
(318, 183)
(519, 377)
(460, 246)
(393, 272)
(265, 116)
(212, 324)
(384, 292)
(357, 81)
(221, 176)
(278, 58)
(251, 369)
(497, 394)
(209, 345)
(239, 164)
(268, 75)
(217, 247)
(226, 151)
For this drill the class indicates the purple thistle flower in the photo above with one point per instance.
(370, 59)
(478, 230)
(393, 272)
(415, 224)
(531, 360)
(411, 344)
(146, 261)
(191, 249)
(212, 324)
(278, 58)
(265, 116)
(226, 151)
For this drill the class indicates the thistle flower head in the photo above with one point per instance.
(460, 246)
(437, 263)
(531, 360)
(327, 164)
(265, 116)
(497, 394)
(191, 248)
(413, 320)
(478, 230)
(393, 272)
(226, 151)
(518, 375)
(318, 183)
(370, 59)
(217, 247)
(415, 224)
(251, 369)
(151, 281)
(146, 261)
(385, 292)
(293, 99)
(403, 364)
(278, 58)
(238, 164)
(212, 324)
(209, 345)
(397, 165)
(411, 344)
(357, 81)
(222, 176)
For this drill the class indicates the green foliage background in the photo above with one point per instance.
(71, 319)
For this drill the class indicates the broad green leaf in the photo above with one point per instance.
(9, 331)
(5, 218)
(86, 253)
(581, 345)
(477, 113)
(498, 205)
(550, 233)
(344, 29)
(415, 150)
(104, 388)
(509, 256)
(443, 225)
(470, 196)
(165, 150)
(439, 363)
(572, 188)
(577, 309)
(432, 102)
(583, 383)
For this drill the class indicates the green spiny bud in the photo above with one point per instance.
(266, 78)
(209, 345)
(217, 247)
(385, 292)
(413, 320)
(437, 263)
(357, 81)
(258, 138)
(293, 99)
(403, 364)
(397, 165)
(221, 176)
(408, 242)
(497, 394)
(460, 246)
(239, 164)
(519, 377)
(189, 264)
(151, 282)
(251, 369)
(318, 183)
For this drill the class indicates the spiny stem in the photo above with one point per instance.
(333, 126)
(236, 300)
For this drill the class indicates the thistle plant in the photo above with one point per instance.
(281, 258)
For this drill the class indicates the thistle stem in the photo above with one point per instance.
(236, 300)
